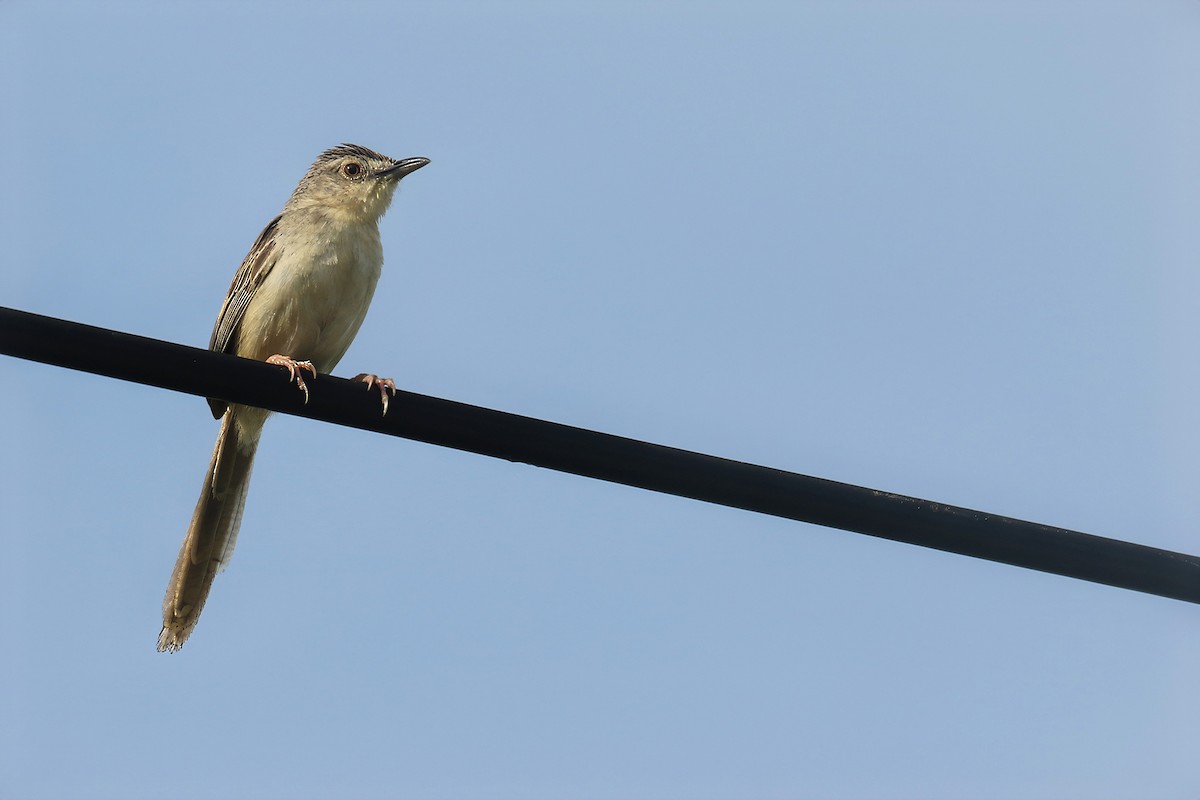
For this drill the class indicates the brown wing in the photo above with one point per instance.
(256, 266)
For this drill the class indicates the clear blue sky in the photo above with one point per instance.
(945, 249)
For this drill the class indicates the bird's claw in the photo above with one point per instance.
(387, 387)
(295, 371)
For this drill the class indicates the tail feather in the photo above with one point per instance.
(212, 534)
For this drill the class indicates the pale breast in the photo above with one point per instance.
(314, 300)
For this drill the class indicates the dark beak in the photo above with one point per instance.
(403, 167)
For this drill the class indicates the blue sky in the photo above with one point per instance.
(942, 249)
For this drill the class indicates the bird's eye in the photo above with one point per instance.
(352, 170)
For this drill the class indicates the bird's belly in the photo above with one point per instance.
(311, 312)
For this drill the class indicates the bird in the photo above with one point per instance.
(297, 300)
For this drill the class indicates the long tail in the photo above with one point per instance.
(213, 531)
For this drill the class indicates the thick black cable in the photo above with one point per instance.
(611, 458)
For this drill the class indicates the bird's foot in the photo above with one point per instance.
(387, 387)
(295, 371)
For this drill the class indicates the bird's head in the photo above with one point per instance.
(352, 182)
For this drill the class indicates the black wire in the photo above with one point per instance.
(611, 458)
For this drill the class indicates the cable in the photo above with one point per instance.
(606, 457)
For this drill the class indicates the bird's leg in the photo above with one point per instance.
(387, 387)
(295, 371)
